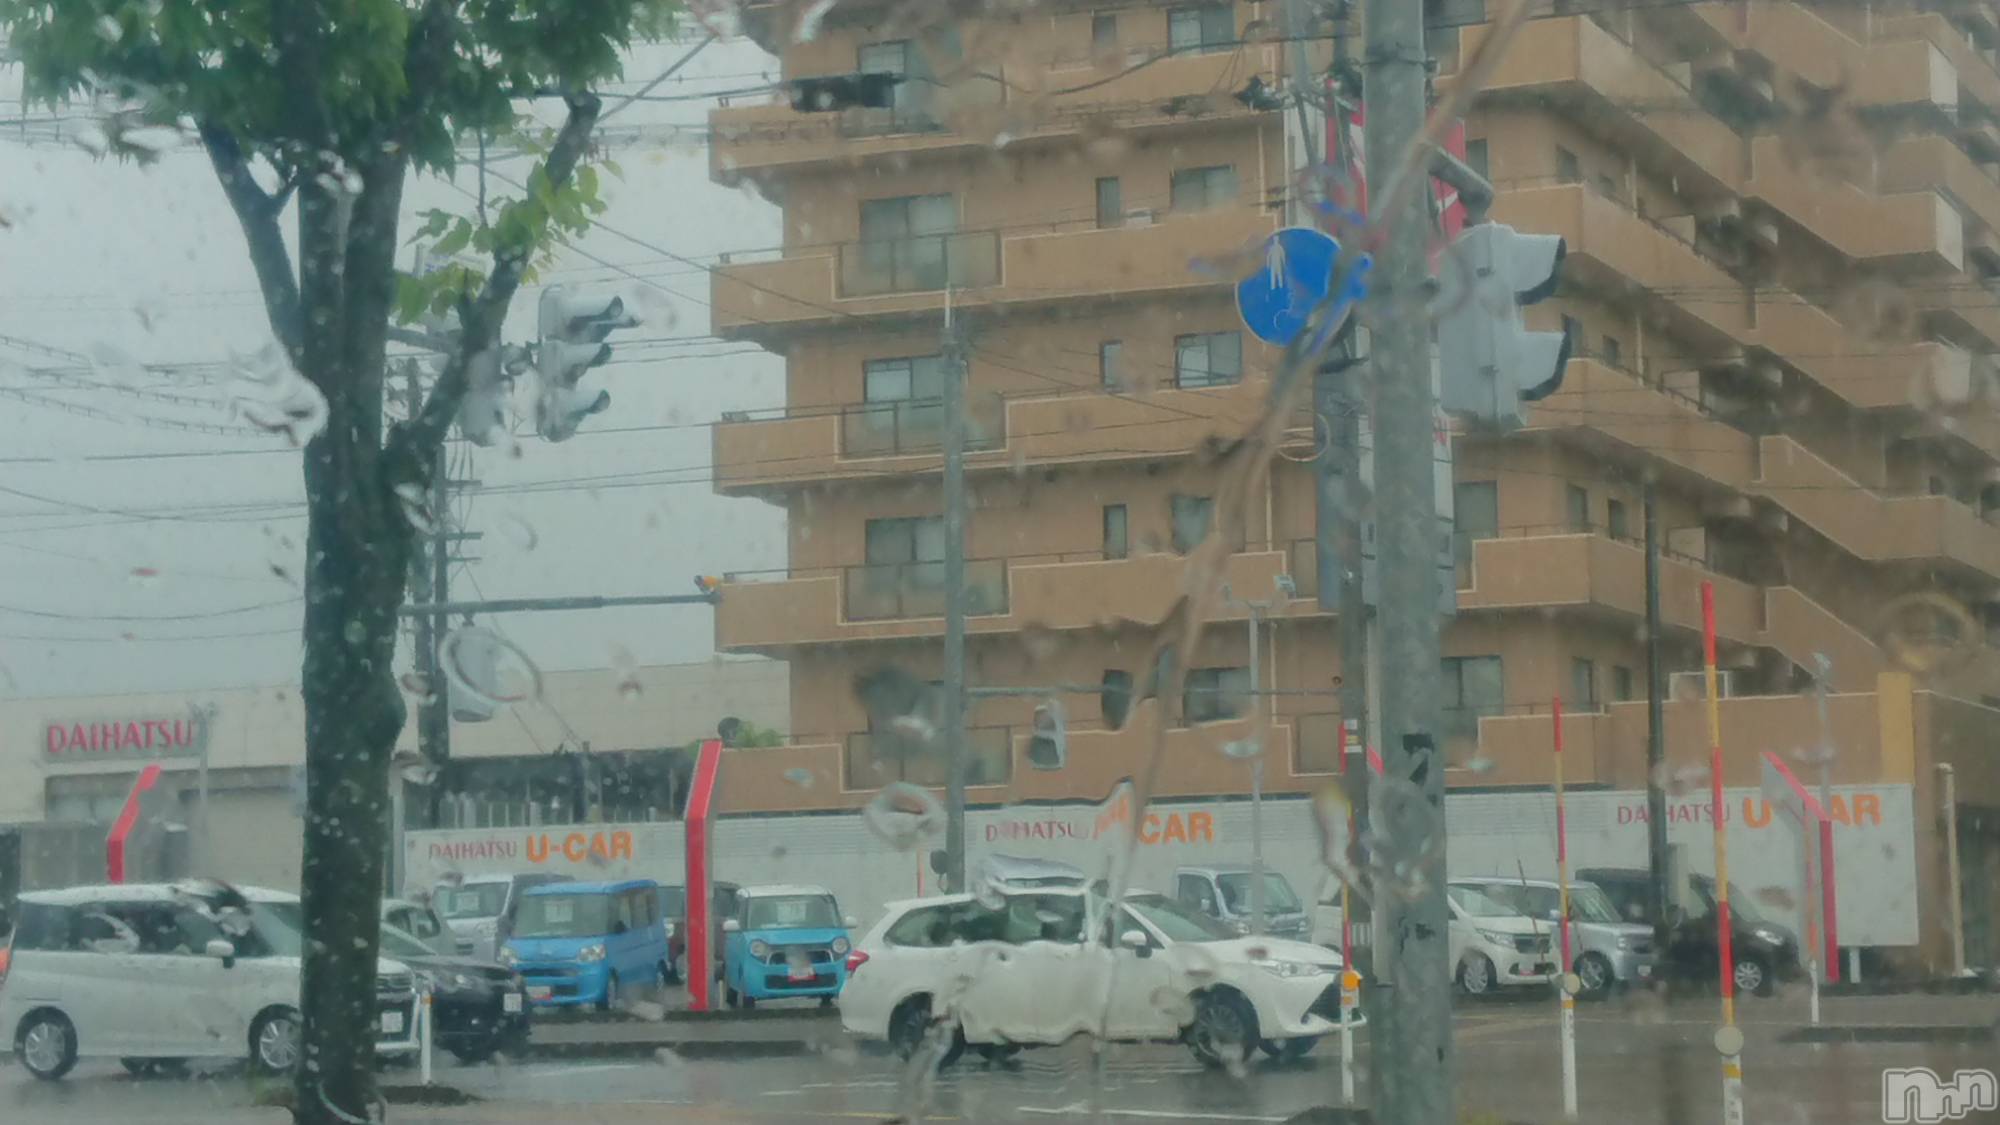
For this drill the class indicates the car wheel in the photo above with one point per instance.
(910, 1031)
(610, 1001)
(1476, 975)
(730, 996)
(137, 1068)
(1594, 972)
(1224, 1031)
(661, 981)
(1287, 1050)
(274, 1041)
(474, 1053)
(46, 1045)
(681, 967)
(1754, 977)
(999, 1054)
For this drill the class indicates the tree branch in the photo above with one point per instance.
(481, 317)
(257, 211)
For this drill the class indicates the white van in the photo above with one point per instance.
(157, 974)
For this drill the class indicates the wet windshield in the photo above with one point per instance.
(471, 902)
(1478, 905)
(1177, 922)
(791, 912)
(1279, 898)
(563, 916)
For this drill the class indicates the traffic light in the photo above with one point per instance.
(1048, 746)
(482, 413)
(572, 330)
(1489, 363)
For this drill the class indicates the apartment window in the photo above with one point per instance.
(906, 241)
(1577, 501)
(1473, 686)
(1103, 33)
(1568, 168)
(1115, 541)
(1197, 189)
(1607, 187)
(1621, 683)
(1215, 693)
(1116, 697)
(904, 405)
(1614, 352)
(1210, 27)
(1110, 364)
(1475, 156)
(1475, 511)
(1110, 202)
(1573, 330)
(1208, 359)
(906, 540)
(1616, 521)
(1583, 683)
(1192, 517)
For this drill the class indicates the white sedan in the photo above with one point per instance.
(1016, 971)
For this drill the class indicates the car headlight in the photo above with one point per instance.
(1767, 934)
(1496, 937)
(591, 953)
(507, 955)
(1240, 926)
(840, 946)
(1624, 941)
(759, 951)
(1289, 969)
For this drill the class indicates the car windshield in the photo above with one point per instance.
(791, 912)
(1478, 905)
(281, 925)
(1279, 897)
(1176, 922)
(1541, 901)
(474, 900)
(563, 915)
(1741, 908)
(401, 943)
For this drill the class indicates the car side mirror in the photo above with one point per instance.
(223, 951)
(851, 922)
(731, 926)
(619, 927)
(1136, 941)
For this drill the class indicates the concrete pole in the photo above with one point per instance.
(1948, 808)
(1258, 703)
(954, 732)
(1415, 1057)
(1656, 730)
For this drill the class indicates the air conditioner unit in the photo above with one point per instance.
(1694, 685)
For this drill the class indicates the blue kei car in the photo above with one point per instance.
(578, 944)
(784, 941)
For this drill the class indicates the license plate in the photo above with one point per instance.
(511, 1003)
(1645, 972)
(540, 992)
(392, 1023)
(799, 973)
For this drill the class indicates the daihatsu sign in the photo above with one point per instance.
(126, 738)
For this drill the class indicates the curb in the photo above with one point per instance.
(1921, 1033)
(685, 1048)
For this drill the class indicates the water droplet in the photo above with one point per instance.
(269, 393)
(902, 814)
(145, 576)
(517, 532)
(800, 776)
(810, 21)
(415, 500)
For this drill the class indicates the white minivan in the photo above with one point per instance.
(158, 974)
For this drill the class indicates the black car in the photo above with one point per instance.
(1764, 952)
(478, 1007)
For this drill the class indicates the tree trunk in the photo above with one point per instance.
(358, 546)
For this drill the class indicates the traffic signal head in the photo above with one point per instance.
(1048, 746)
(572, 329)
(1489, 362)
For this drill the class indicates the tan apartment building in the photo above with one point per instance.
(1783, 226)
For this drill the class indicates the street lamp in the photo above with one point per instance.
(1252, 748)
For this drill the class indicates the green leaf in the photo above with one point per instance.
(461, 234)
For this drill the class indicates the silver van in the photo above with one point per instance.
(1223, 892)
(480, 908)
(1608, 951)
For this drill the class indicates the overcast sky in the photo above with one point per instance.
(122, 564)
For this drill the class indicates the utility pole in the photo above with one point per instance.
(1656, 726)
(429, 573)
(1415, 1065)
(954, 731)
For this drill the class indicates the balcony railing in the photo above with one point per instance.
(886, 591)
(871, 761)
(920, 263)
(883, 429)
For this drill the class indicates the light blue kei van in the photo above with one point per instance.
(578, 944)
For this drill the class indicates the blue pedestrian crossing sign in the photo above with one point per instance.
(1299, 271)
